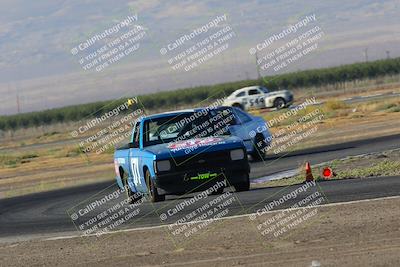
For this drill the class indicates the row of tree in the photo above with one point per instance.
(168, 99)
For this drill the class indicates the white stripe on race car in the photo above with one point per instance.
(135, 171)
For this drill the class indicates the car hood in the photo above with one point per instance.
(195, 146)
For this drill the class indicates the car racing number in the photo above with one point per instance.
(258, 101)
(135, 171)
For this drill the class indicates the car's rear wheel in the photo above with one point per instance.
(237, 105)
(259, 148)
(152, 189)
(130, 196)
(243, 186)
(279, 103)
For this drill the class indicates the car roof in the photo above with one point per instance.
(247, 88)
(172, 113)
(178, 112)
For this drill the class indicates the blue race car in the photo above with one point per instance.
(184, 151)
(251, 129)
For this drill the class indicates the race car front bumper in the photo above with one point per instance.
(202, 178)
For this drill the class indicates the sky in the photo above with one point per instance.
(39, 70)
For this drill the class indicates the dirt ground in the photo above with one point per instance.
(365, 233)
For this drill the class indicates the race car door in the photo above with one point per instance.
(255, 99)
(136, 176)
(241, 127)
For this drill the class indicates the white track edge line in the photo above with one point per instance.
(217, 219)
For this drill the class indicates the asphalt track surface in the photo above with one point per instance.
(45, 214)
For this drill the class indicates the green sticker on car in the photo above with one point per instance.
(203, 176)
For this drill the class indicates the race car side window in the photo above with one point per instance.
(254, 92)
(226, 115)
(240, 94)
(241, 117)
(136, 135)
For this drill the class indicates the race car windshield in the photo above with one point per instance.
(187, 126)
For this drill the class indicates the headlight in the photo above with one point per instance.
(163, 165)
(237, 154)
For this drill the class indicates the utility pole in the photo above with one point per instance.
(387, 54)
(18, 105)
(366, 54)
(258, 68)
(16, 97)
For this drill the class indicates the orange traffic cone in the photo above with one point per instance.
(309, 176)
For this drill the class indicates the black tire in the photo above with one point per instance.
(130, 196)
(219, 191)
(152, 190)
(279, 103)
(259, 152)
(243, 186)
(237, 105)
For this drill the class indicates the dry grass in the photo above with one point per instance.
(45, 173)
(332, 105)
(350, 89)
(375, 165)
(392, 105)
(336, 109)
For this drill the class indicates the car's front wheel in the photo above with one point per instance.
(152, 189)
(243, 186)
(219, 190)
(259, 148)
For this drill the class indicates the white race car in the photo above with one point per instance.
(256, 97)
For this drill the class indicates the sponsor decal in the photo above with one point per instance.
(203, 176)
(194, 143)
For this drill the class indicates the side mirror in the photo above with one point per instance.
(134, 145)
